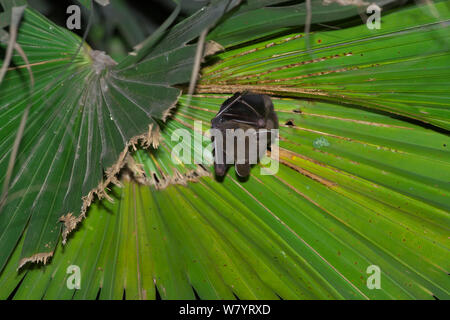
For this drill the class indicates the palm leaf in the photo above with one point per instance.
(256, 19)
(379, 69)
(87, 110)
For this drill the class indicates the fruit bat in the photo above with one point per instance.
(254, 114)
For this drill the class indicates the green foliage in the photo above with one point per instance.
(87, 110)
(362, 180)
(309, 232)
(401, 68)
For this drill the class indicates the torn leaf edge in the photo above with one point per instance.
(70, 222)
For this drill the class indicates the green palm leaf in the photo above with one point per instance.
(263, 18)
(359, 183)
(309, 232)
(87, 111)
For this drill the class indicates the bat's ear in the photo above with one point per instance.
(220, 169)
(243, 170)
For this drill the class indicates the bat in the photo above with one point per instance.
(254, 114)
